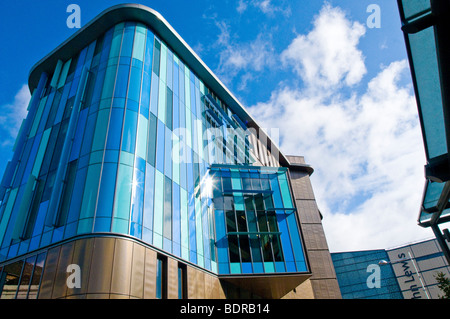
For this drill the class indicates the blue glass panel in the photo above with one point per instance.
(167, 222)
(135, 84)
(106, 192)
(128, 39)
(154, 94)
(279, 266)
(137, 203)
(76, 146)
(90, 191)
(145, 95)
(148, 52)
(122, 81)
(115, 129)
(123, 192)
(102, 224)
(295, 238)
(88, 134)
(169, 80)
(151, 147)
(285, 240)
(106, 46)
(176, 232)
(176, 81)
(278, 202)
(176, 114)
(129, 131)
(40, 219)
(192, 229)
(160, 146)
(168, 152)
(181, 83)
(148, 197)
(77, 194)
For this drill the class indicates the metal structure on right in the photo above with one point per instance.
(426, 26)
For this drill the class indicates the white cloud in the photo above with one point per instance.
(265, 6)
(366, 149)
(11, 115)
(328, 54)
(242, 58)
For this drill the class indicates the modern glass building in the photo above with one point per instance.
(354, 269)
(404, 272)
(136, 165)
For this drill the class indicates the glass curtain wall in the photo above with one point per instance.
(118, 140)
(255, 219)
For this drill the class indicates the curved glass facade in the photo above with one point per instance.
(120, 139)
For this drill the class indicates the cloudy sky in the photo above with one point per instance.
(330, 78)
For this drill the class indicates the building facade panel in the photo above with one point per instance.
(408, 272)
(116, 169)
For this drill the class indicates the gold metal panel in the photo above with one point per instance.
(101, 265)
(65, 259)
(172, 279)
(137, 271)
(150, 274)
(48, 277)
(191, 273)
(82, 255)
(200, 284)
(121, 271)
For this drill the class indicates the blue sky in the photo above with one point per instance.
(323, 83)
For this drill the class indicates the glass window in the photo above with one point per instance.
(161, 277)
(176, 225)
(90, 191)
(106, 192)
(182, 281)
(101, 129)
(145, 95)
(75, 203)
(156, 55)
(154, 94)
(167, 208)
(139, 43)
(67, 192)
(110, 77)
(22, 292)
(148, 52)
(168, 160)
(36, 277)
(137, 202)
(162, 96)
(115, 129)
(135, 84)
(120, 91)
(160, 147)
(128, 39)
(123, 192)
(148, 197)
(129, 131)
(158, 208)
(10, 280)
(151, 147)
(116, 40)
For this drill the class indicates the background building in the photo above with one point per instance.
(406, 272)
(136, 165)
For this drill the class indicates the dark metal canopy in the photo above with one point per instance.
(426, 29)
